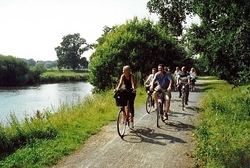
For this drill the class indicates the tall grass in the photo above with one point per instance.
(223, 136)
(54, 76)
(44, 139)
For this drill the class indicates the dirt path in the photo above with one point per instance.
(169, 146)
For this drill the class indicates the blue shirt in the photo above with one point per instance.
(163, 79)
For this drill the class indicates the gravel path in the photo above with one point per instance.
(169, 146)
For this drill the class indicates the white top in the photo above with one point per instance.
(192, 74)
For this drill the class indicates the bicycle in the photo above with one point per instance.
(149, 102)
(183, 94)
(123, 113)
(122, 120)
(192, 84)
(161, 102)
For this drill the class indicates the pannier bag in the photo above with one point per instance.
(121, 97)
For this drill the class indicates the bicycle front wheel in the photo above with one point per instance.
(149, 104)
(121, 123)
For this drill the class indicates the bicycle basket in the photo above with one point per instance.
(121, 97)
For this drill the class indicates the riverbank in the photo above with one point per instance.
(55, 76)
(45, 138)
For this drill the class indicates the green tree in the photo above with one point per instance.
(70, 51)
(223, 38)
(35, 72)
(138, 43)
(50, 64)
(14, 71)
(172, 13)
(30, 62)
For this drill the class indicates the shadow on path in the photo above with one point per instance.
(148, 135)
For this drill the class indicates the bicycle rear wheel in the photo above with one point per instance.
(159, 114)
(149, 104)
(183, 99)
(121, 123)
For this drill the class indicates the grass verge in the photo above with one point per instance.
(44, 139)
(223, 136)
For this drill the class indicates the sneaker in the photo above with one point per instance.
(165, 117)
(131, 125)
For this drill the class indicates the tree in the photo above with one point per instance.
(70, 51)
(30, 62)
(14, 71)
(223, 38)
(172, 13)
(138, 43)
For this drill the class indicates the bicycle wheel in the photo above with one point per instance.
(183, 98)
(158, 118)
(121, 123)
(149, 104)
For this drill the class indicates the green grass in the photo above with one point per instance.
(223, 136)
(43, 140)
(53, 76)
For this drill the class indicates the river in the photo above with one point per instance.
(25, 101)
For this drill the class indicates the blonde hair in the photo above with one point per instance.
(126, 67)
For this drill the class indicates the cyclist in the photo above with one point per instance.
(128, 79)
(166, 69)
(183, 79)
(165, 83)
(150, 78)
(193, 76)
(176, 74)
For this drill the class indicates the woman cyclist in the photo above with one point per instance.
(193, 76)
(128, 79)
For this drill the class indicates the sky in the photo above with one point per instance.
(31, 29)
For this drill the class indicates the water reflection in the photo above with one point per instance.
(27, 100)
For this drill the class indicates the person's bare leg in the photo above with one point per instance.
(155, 99)
(167, 105)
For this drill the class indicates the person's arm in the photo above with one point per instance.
(120, 82)
(170, 82)
(189, 79)
(133, 83)
(152, 83)
(148, 80)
